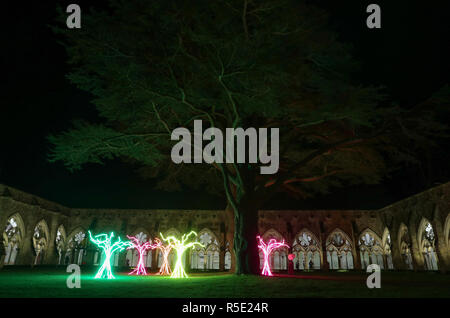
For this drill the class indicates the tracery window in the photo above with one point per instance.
(339, 251)
(60, 242)
(75, 249)
(40, 241)
(12, 237)
(427, 246)
(370, 249)
(207, 257)
(306, 249)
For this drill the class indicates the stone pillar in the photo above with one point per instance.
(397, 259)
(222, 258)
(418, 261)
(51, 255)
(326, 266)
(25, 253)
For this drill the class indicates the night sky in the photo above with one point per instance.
(408, 56)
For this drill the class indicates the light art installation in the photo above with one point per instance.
(165, 251)
(267, 250)
(180, 247)
(105, 242)
(141, 247)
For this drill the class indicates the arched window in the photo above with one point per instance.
(76, 246)
(40, 241)
(12, 238)
(206, 257)
(387, 249)
(427, 241)
(60, 242)
(306, 249)
(278, 259)
(339, 250)
(405, 246)
(370, 249)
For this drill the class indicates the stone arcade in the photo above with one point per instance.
(412, 234)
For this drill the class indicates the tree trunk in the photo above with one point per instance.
(245, 242)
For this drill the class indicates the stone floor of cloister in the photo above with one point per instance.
(51, 282)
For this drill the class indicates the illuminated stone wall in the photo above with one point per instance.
(413, 214)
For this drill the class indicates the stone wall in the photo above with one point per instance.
(413, 214)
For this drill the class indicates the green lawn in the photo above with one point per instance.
(51, 282)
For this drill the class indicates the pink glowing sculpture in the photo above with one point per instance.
(267, 250)
(165, 250)
(141, 247)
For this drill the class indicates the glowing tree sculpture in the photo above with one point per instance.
(141, 247)
(267, 250)
(165, 251)
(105, 242)
(180, 247)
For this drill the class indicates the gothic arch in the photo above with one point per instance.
(13, 235)
(272, 233)
(427, 244)
(207, 257)
(76, 246)
(339, 250)
(370, 248)
(172, 231)
(40, 240)
(307, 250)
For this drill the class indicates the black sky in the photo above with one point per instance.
(408, 56)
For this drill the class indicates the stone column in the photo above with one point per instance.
(397, 259)
(222, 258)
(418, 261)
(51, 255)
(25, 254)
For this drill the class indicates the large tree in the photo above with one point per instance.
(153, 66)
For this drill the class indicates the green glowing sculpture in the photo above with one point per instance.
(105, 242)
(180, 247)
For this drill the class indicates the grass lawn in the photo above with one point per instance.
(51, 282)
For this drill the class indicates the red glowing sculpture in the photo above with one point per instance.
(165, 250)
(267, 250)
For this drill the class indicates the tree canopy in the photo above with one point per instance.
(152, 66)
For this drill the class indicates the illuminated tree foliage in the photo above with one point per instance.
(267, 249)
(180, 246)
(153, 66)
(109, 248)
